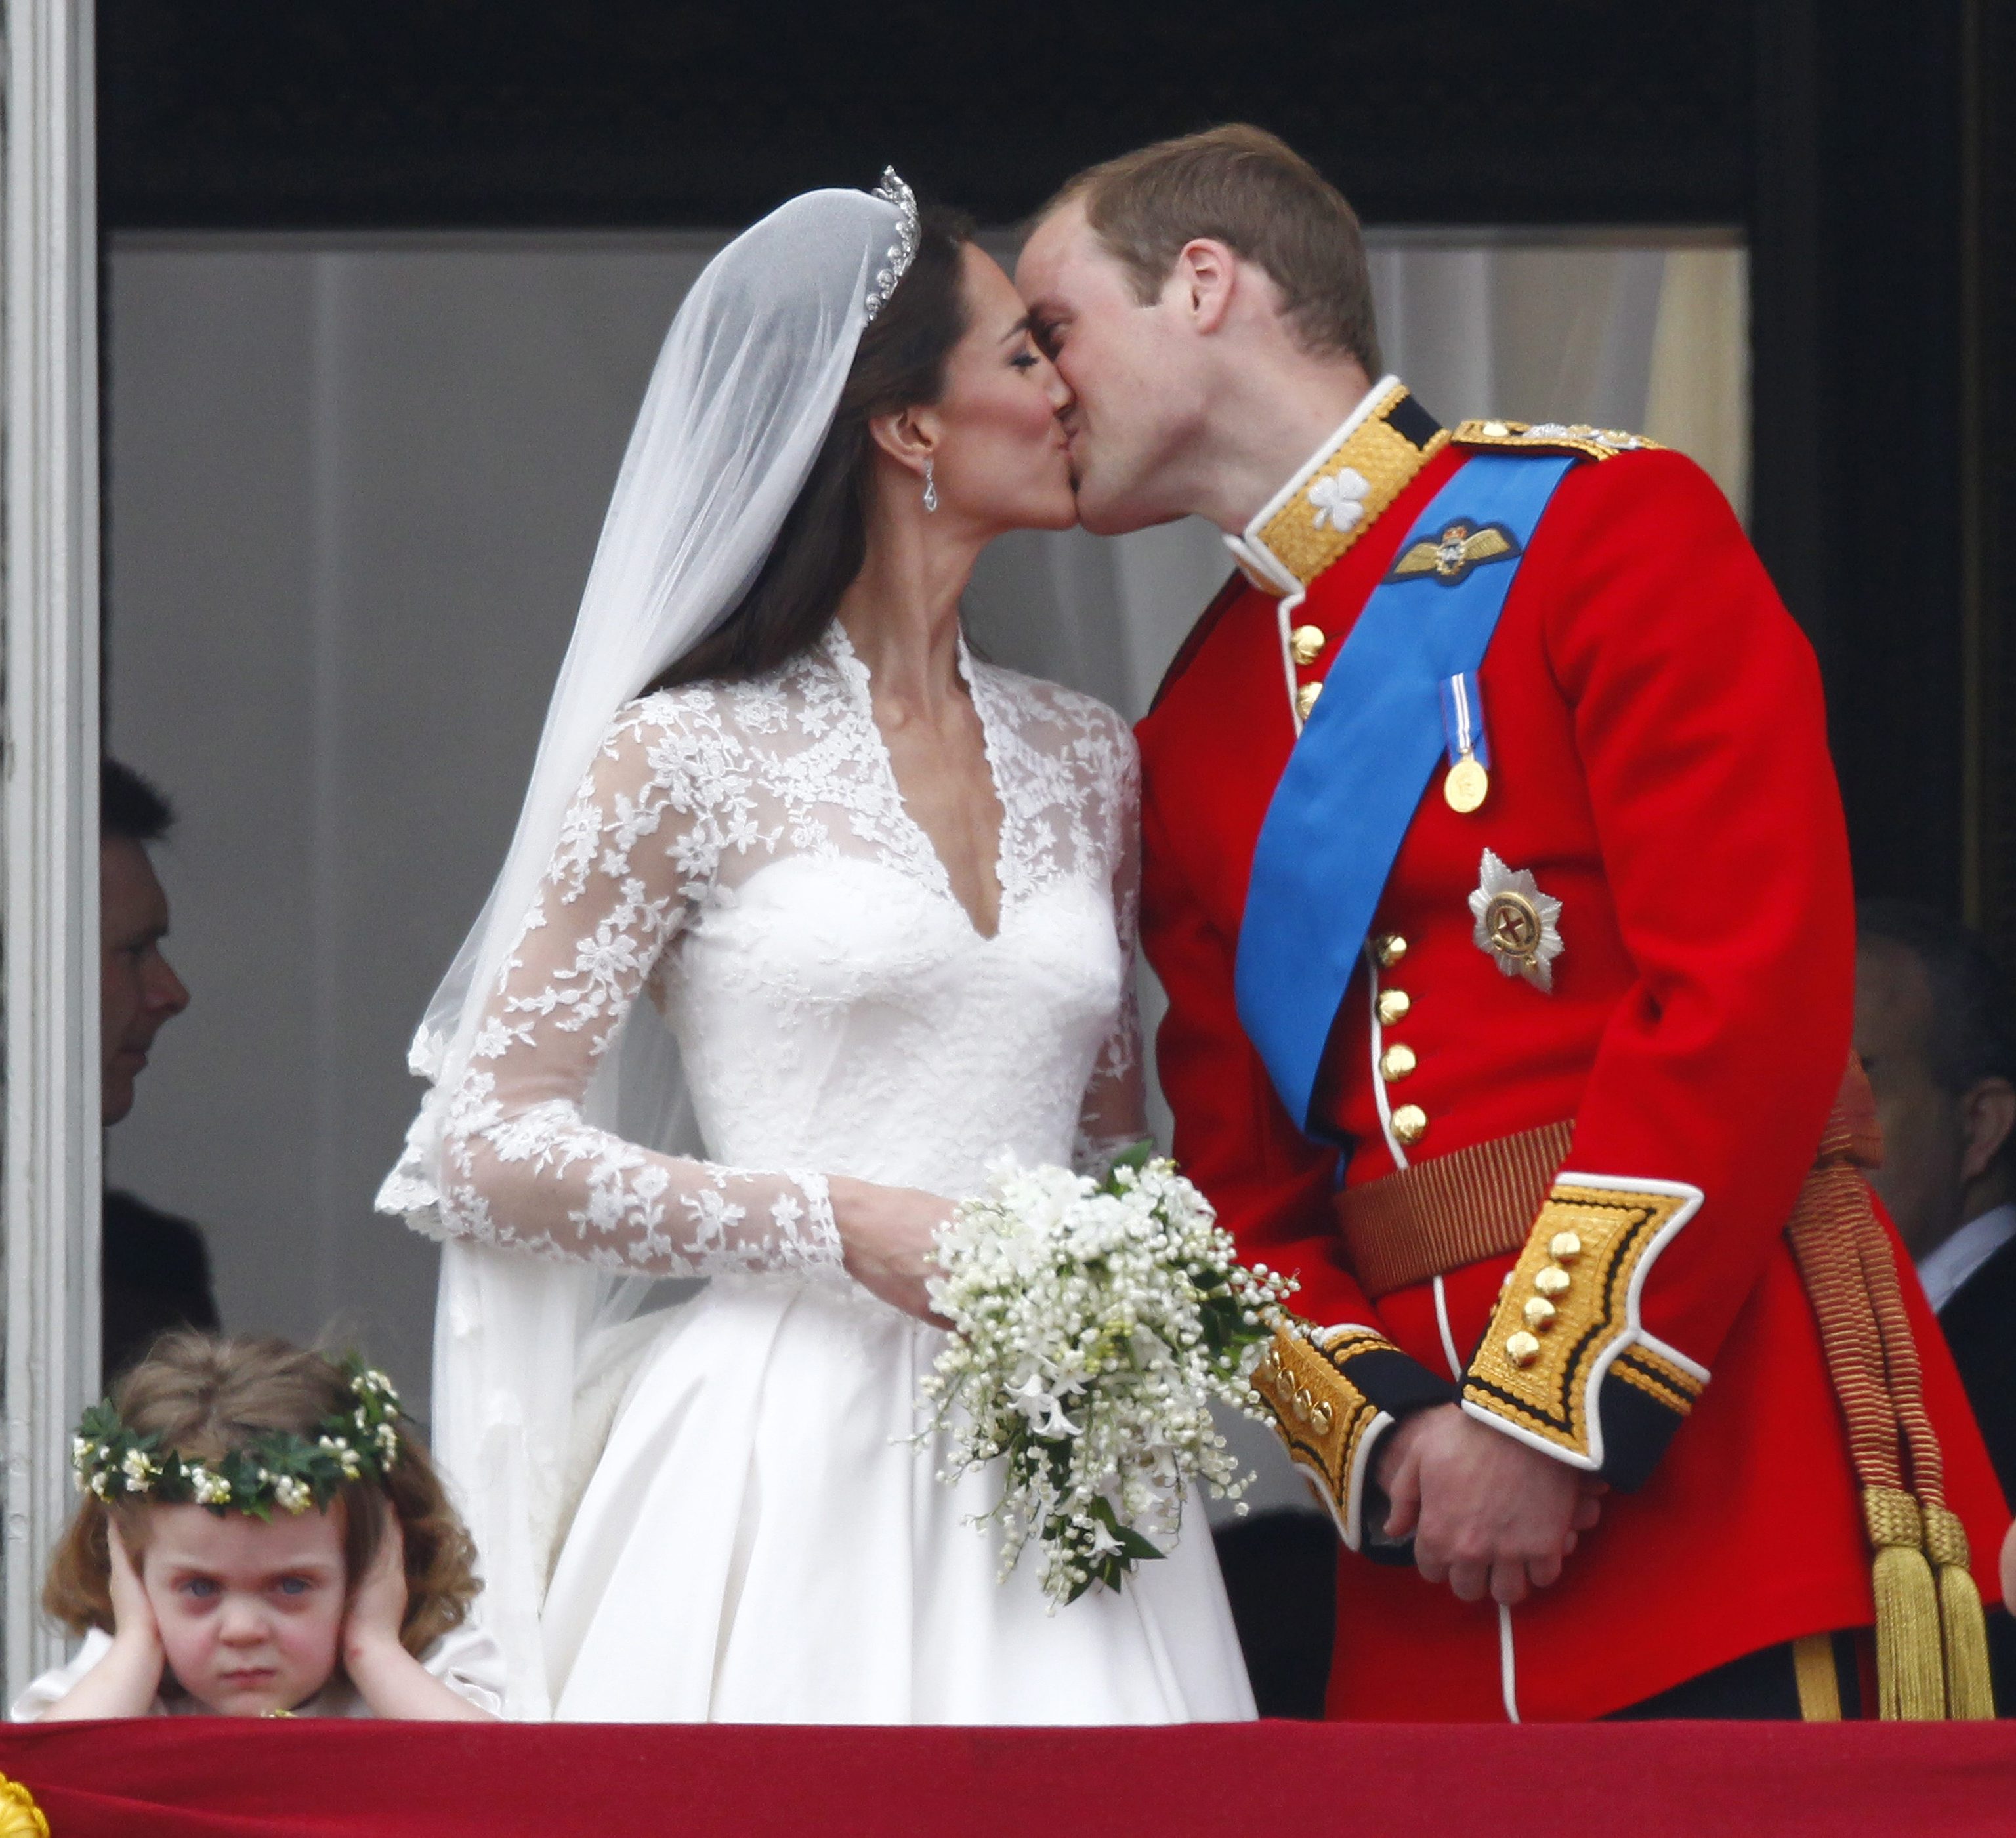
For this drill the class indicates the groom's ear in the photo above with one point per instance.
(1204, 278)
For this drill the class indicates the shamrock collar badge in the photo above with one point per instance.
(1516, 924)
(1338, 499)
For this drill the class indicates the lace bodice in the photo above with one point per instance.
(741, 855)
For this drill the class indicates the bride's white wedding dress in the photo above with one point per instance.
(759, 1539)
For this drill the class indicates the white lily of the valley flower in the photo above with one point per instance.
(1042, 1405)
(1059, 1290)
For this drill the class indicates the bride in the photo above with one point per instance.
(802, 884)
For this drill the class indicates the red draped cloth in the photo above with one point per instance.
(182, 1778)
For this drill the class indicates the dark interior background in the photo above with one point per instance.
(1864, 152)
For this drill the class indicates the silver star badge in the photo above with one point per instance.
(1516, 923)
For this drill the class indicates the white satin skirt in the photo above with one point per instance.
(760, 1542)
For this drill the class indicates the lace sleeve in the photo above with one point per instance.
(1114, 1114)
(521, 1167)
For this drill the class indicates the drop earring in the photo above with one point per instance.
(931, 488)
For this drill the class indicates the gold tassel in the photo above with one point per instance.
(1962, 1619)
(1910, 1678)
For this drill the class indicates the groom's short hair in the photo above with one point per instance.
(1249, 189)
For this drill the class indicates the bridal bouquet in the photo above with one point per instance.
(1091, 1326)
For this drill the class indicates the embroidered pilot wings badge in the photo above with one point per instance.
(1516, 924)
(1449, 558)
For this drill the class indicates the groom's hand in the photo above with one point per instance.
(1487, 1514)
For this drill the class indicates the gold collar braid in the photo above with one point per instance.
(1339, 494)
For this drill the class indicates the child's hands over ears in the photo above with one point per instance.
(133, 1623)
(378, 1603)
(392, 1681)
(126, 1681)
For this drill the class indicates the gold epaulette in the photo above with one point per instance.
(1552, 437)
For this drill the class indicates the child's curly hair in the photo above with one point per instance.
(207, 1396)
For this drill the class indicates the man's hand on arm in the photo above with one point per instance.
(1487, 1514)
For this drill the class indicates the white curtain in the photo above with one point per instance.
(333, 464)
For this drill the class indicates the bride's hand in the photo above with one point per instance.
(886, 1238)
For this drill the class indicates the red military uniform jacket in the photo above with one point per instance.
(1659, 767)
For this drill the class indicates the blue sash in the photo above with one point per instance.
(1354, 782)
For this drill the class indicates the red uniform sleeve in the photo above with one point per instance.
(1698, 715)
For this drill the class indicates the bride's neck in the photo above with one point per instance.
(902, 614)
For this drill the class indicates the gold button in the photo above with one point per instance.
(1565, 1247)
(1305, 698)
(1551, 1282)
(1410, 1124)
(1522, 1349)
(1396, 1063)
(1540, 1312)
(1389, 950)
(1307, 643)
(1393, 1006)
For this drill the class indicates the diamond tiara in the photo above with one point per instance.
(893, 191)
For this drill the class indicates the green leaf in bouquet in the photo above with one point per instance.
(1134, 1159)
(1137, 1549)
(1134, 1548)
(1106, 1570)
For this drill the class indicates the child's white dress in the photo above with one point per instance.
(465, 1660)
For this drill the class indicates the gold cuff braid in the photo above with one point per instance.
(1566, 1306)
(1321, 1415)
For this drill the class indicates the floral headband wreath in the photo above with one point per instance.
(280, 1468)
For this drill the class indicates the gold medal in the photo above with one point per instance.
(1464, 787)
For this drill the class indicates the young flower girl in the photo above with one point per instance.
(261, 1535)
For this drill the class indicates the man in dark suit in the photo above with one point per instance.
(155, 1268)
(1933, 1023)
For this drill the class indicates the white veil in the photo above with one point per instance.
(741, 398)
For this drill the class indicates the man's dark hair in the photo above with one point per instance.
(1250, 190)
(1971, 1035)
(129, 807)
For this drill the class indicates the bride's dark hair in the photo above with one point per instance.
(901, 362)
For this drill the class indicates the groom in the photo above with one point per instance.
(1495, 871)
